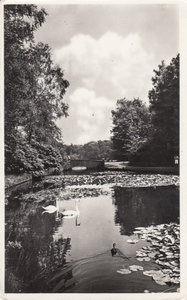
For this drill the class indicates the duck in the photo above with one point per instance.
(68, 214)
(51, 208)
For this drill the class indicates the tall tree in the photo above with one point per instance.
(164, 105)
(34, 86)
(131, 121)
(45, 103)
(20, 23)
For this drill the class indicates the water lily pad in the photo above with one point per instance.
(151, 255)
(160, 277)
(160, 282)
(176, 270)
(174, 263)
(139, 259)
(140, 254)
(175, 280)
(140, 228)
(149, 273)
(143, 258)
(135, 268)
(132, 241)
(124, 271)
(137, 232)
(167, 271)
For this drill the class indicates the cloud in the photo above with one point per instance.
(100, 72)
(91, 115)
(112, 65)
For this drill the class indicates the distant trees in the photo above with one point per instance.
(132, 122)
(34, 86)
(91, 150)
(150, 135)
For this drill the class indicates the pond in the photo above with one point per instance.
(48, 253)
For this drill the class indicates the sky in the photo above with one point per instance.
(108, 52)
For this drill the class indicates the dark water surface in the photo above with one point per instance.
(47, 253)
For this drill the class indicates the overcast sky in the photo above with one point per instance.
(107, 52)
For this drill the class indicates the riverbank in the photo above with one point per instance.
(13, 180)
(124, 166)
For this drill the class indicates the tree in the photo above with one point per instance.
(92, 150)
(45, 102)
(34, 86)
(131, 121)
(164, 106)
(20, 22)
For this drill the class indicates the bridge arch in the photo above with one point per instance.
(89, 164)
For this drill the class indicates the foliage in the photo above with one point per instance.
(20, 22)
(130, 132)
(164, 105)
(34, 90)
(24, 157)
(163, 143)
(92, 150)
(150, 136)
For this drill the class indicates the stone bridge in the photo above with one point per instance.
(89, 164)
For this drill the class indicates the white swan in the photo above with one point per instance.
(51, 208)
(68, 214)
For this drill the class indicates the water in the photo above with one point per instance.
(47, 253)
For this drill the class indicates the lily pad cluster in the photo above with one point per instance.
(164, 249)
(83, 192)
(125, 179)
(161, 277)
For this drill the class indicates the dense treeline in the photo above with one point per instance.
(92, 150)
(149, 135)
(34, 90)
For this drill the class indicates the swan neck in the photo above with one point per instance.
(76, 206)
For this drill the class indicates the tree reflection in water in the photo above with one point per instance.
(145, 206)
(32, 254)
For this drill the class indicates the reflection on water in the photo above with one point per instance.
(145, 206)
(46, 253)
(32, 253)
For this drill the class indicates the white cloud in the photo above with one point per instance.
(101, 71)
(113, 66)
(91, 115)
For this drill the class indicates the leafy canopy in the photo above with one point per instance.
(34, 85)
(131, 123)
(164, 105)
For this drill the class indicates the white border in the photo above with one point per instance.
(183, 169)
